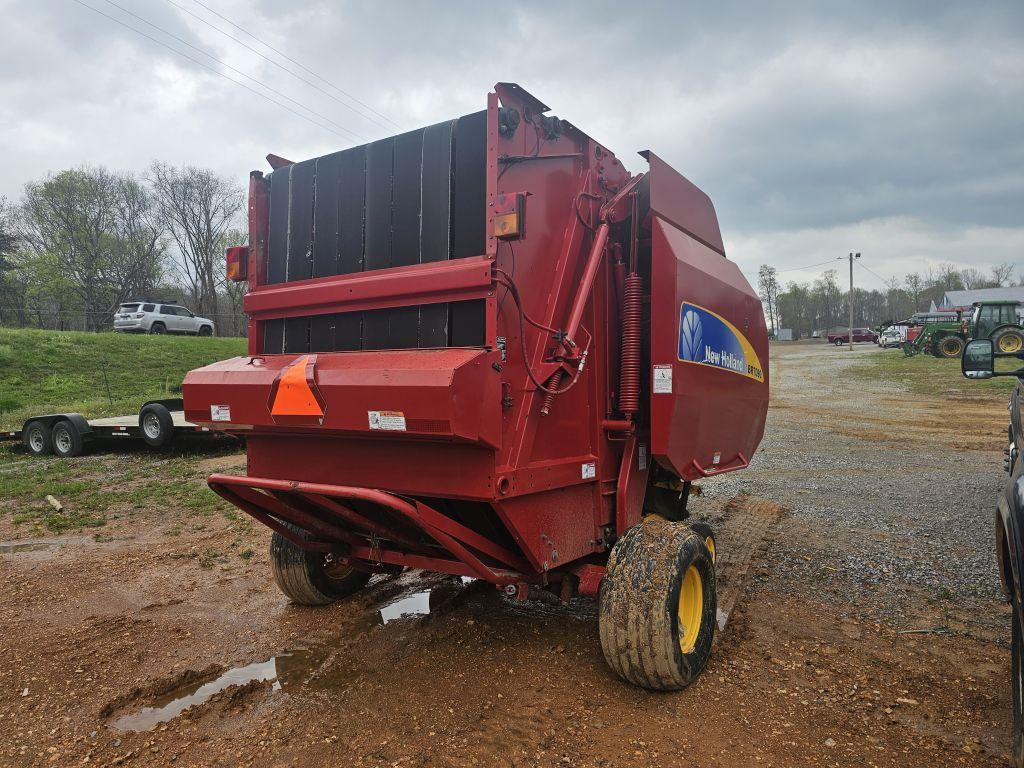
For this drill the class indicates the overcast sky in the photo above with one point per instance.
(894, 129)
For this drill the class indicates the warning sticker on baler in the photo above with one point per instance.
(706, 338)
(662, 380)
(393, 421)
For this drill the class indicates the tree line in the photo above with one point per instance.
(823, 304)
(80, 242)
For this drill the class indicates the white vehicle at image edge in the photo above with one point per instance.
(157, 317)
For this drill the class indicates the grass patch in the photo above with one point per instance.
(96, 374)
(926, 375)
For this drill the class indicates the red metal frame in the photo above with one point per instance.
(537, 484)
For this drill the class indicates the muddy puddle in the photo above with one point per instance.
(296, 668)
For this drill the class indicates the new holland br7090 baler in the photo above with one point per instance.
(484, 348)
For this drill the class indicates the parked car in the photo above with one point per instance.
(978, 362)
(892, 336)
(157, 317)
(859, 334)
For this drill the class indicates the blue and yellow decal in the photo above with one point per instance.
(706, 338)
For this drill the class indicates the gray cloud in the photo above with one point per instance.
(806, 122)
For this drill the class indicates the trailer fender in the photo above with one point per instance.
(171, 404)
(80, 422)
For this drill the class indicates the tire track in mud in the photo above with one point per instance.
(741, 537)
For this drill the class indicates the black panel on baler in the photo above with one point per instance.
(405, 199)
(277, 245)
(351, 204)
(379, 168)
(469, 214)
(300, 224)
(296, 334)
(414, 198)
(273, 337)
(325, 216)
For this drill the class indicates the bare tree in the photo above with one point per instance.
(198, 208)
(768, 284)
(1002, 274)
(914, 286)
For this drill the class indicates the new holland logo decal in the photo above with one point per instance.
(709, 339)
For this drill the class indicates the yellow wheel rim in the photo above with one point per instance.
(710, 544)
(691, 609)
(1009, 343)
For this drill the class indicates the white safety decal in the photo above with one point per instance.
(393, 421)
(662, 380)
(589, 470)
(641, 457)
(220, 413)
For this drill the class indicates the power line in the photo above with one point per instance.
(809, 266)
(235, 70)
(288, 58)
(207, 67)
(279, 66)
(869, 269)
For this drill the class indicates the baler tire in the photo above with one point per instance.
(303, 575)
(707, 533)
(640, 605)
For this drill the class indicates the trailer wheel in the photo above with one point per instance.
(36, 438)
(67, 440)
(310, 578)
(657, 605)
(156, 425)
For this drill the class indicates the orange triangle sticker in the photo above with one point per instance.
(294, 396)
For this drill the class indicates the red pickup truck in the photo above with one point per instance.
(859, 334)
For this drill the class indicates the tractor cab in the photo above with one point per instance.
(999, 321)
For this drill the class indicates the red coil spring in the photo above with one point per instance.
(629, 369)
(549, 397)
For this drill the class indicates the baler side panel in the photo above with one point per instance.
(708, 328)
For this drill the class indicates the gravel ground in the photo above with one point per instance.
(882, 522)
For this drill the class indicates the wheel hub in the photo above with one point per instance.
(63, 441)
(691, 609)
(151, 426)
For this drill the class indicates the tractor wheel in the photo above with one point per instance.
(311, 578)
(705, 532)
(1008, 341)
(657, 605)
(949, 347)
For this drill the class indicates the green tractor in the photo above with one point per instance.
(999, 321)
(940, 338)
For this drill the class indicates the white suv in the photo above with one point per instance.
(154, 317)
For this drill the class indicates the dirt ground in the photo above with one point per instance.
(867, 630)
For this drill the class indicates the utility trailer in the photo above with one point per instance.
(485, 348)
(157, 424)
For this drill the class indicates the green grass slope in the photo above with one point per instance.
(96, 374)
